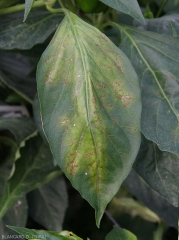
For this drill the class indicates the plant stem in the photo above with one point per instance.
(53, 10)
(20, 7)
(111, 218)
(164, 2)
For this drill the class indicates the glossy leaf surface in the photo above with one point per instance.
(159, 170)
(155, 58)
(42, 234)
(120, 234)
(38, 27)
(48, 203)
(90, 106)
(28, 6)
(129, 7)
(34, 168)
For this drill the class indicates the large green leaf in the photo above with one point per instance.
(33, 234)
(90, 106)
(48, 203)
(155, 58)
(130, 7)
(138, 187)
(120, 234)
(159, 170)
(28, 7)
(38, 27)
(34, 168)
(168, 24)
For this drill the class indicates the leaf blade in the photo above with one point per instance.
(81, 137)
(155, 59)
(28, 7)
(129, 7)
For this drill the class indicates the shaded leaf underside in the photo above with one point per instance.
(90, 106)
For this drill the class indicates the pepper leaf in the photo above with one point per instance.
(90, 106)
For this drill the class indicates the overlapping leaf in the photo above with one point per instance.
(159, 170)
(14, 124)
(28, 7)
(48, 203)
(139, 188)
(32, 169)
(38, 27)
(90, 107)
(168, 24)
(130, 7)
(155, 58)
(120, 234)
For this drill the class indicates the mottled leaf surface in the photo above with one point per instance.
(139, 188)
(155, 58)
(159, 170)
(130, 7)
(34, 168)
(33, 234)
(168, 24)
(90, 106)
(38, 27)
(28, 7)
(48, 203)
(120, 234)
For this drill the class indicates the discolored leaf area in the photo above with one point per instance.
(130, 7)
(120, 234)
(155, 58)
(33, 234)
(90, 107)
(159, 170)
(38, 27)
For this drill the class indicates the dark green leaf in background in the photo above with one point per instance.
(34, 168)
(26, 125)
(120, 234)
(42, 234)
(90, 105)
(28, 7)
(15, 73)
(168, 24)
(155, 58)
(37, 28)
(159, 170)
(16, 215)
(130, 7)
(138, 187)
(48, 203)
(171, 5)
